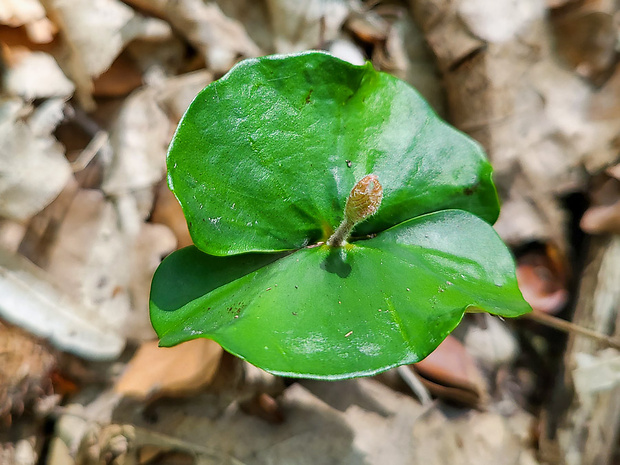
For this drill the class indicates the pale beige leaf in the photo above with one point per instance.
(219, 39)
(499, 20)
(139, 139)
(33, 75)
(33, 168)
(95, 33)
(28, 298)
(19, 12)
(308, 25)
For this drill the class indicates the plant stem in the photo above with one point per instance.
(363, 201)
(341, 234)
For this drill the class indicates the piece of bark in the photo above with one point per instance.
(588, 430)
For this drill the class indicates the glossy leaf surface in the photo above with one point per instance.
(332, 313)
(264, 158)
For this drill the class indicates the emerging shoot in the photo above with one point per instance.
(363, 201)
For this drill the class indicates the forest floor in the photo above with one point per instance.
(92, 93)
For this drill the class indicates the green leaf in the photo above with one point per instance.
(331, 313)
(264, 158)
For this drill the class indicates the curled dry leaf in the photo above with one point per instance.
(167, 211)
(139, 137)
(33, 168)
(586, 37)
(542, 276)
(310, 25)
(408, 57)
(140, 133)
(153, 242)
(95, 33)
(368, 26)
(220, 39)
(449, 372)
(447, 36)
(490, 342)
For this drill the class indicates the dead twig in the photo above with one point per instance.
(568, 327)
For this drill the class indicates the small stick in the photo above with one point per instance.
(569, 327)
(90, 151)
(414, 383)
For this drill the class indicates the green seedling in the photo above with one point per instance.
(341, 228)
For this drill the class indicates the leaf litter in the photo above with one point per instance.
(79, 243)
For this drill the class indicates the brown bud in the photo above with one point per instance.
(364, 199)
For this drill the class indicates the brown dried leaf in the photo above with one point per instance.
(542, 276)
(168, 212)
(177, 371)
(603, 215)
(451, 373)
(586, 37)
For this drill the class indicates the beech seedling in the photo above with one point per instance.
(341, 228)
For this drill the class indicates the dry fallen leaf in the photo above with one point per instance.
(220, 39)
(34, 75)
(542, 278)
(33, 168)
(499, 21)
(29, 299)
(167, 211)
(95, 33)
(490, 342)
(308, 25)
(139, 138)
(177, 371)
(16, 13)
(154, 241)
(603, 215)
(449, 372)
(25, 371)
(586, 37)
